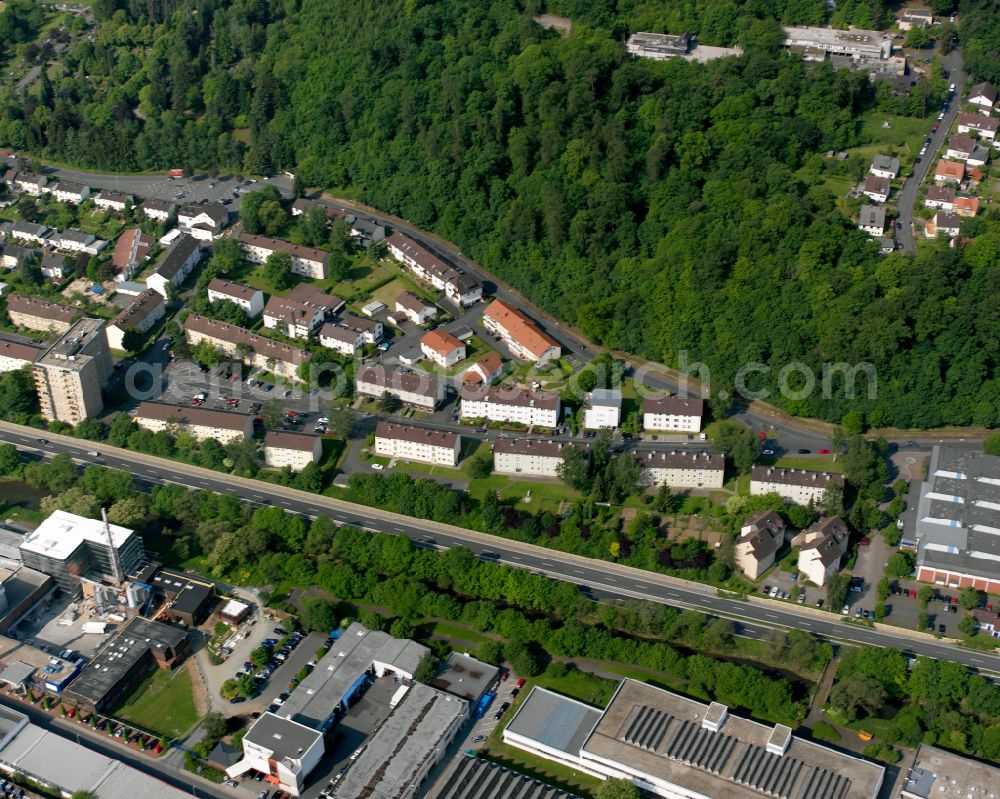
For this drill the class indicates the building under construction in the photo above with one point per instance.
(74, 550)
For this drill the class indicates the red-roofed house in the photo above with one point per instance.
(521, 333)
(442, 348)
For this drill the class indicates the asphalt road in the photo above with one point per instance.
(784, 434)
(595, 577)
(908, 194)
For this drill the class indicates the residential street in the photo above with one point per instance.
(908, 194)
(597, 578)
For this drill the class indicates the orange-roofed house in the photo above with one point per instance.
(485, 370)
(967, 206)
(520, 333)
(442, 348)
(949, 172)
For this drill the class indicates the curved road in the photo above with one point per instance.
(908, 194)
(594, 576)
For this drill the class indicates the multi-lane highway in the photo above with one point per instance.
(600, 577)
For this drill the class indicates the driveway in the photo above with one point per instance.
(908, 194)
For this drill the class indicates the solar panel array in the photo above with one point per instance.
(776, 776)
(647, 729)
(475, 778)
(825, 784)
(770, 774)
(696, 746)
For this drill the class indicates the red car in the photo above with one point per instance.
(520, 683)
(823, 451)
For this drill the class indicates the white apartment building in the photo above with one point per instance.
(793, 485)
(306, 261)
(442, 348)
(157, 210)
(672, 414)
(821, 549)
(414, 308)
(409, 442)
(294, 450)
(418, 389)
(520, 333)
(175, 266)
(458, 286)
(112, 200)
(884, 166)
(145, 311)
(251, 300)
(260, 352)
(68, 191)
(510, 405)
(281, 748)
(14, 355)
(202, 423)
(679, 469)
(603, 409)
(531, 457)
(342, 339)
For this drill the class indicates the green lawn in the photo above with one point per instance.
(470, 449)
(815, 463)
(544, 496)
(163, 703)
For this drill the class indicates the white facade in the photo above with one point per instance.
(417, 444)
(603, 410)
(419, 390)
(342, 339)
(71, 193)
(294, 450)
(249, 299)
(681, 469)
(441, 350)
(268, 751)
(794, 485)
(222, 434)
(306, 261)
(512, 407)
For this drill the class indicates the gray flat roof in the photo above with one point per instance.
(417, 730)
(958, 514)
(282, 736)
(351, 655)
(660, 735)
(554, 720)
(945, 775)
(475, 778)
(465, 676)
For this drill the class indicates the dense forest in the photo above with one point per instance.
(655, 205)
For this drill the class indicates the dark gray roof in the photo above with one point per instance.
(176, 255)
(475, 778)
(112, 663)
(282, 736)
(958, 515)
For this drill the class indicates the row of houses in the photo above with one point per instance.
(281, 448)
(822, 546)
(69, 241)
(458, 286)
